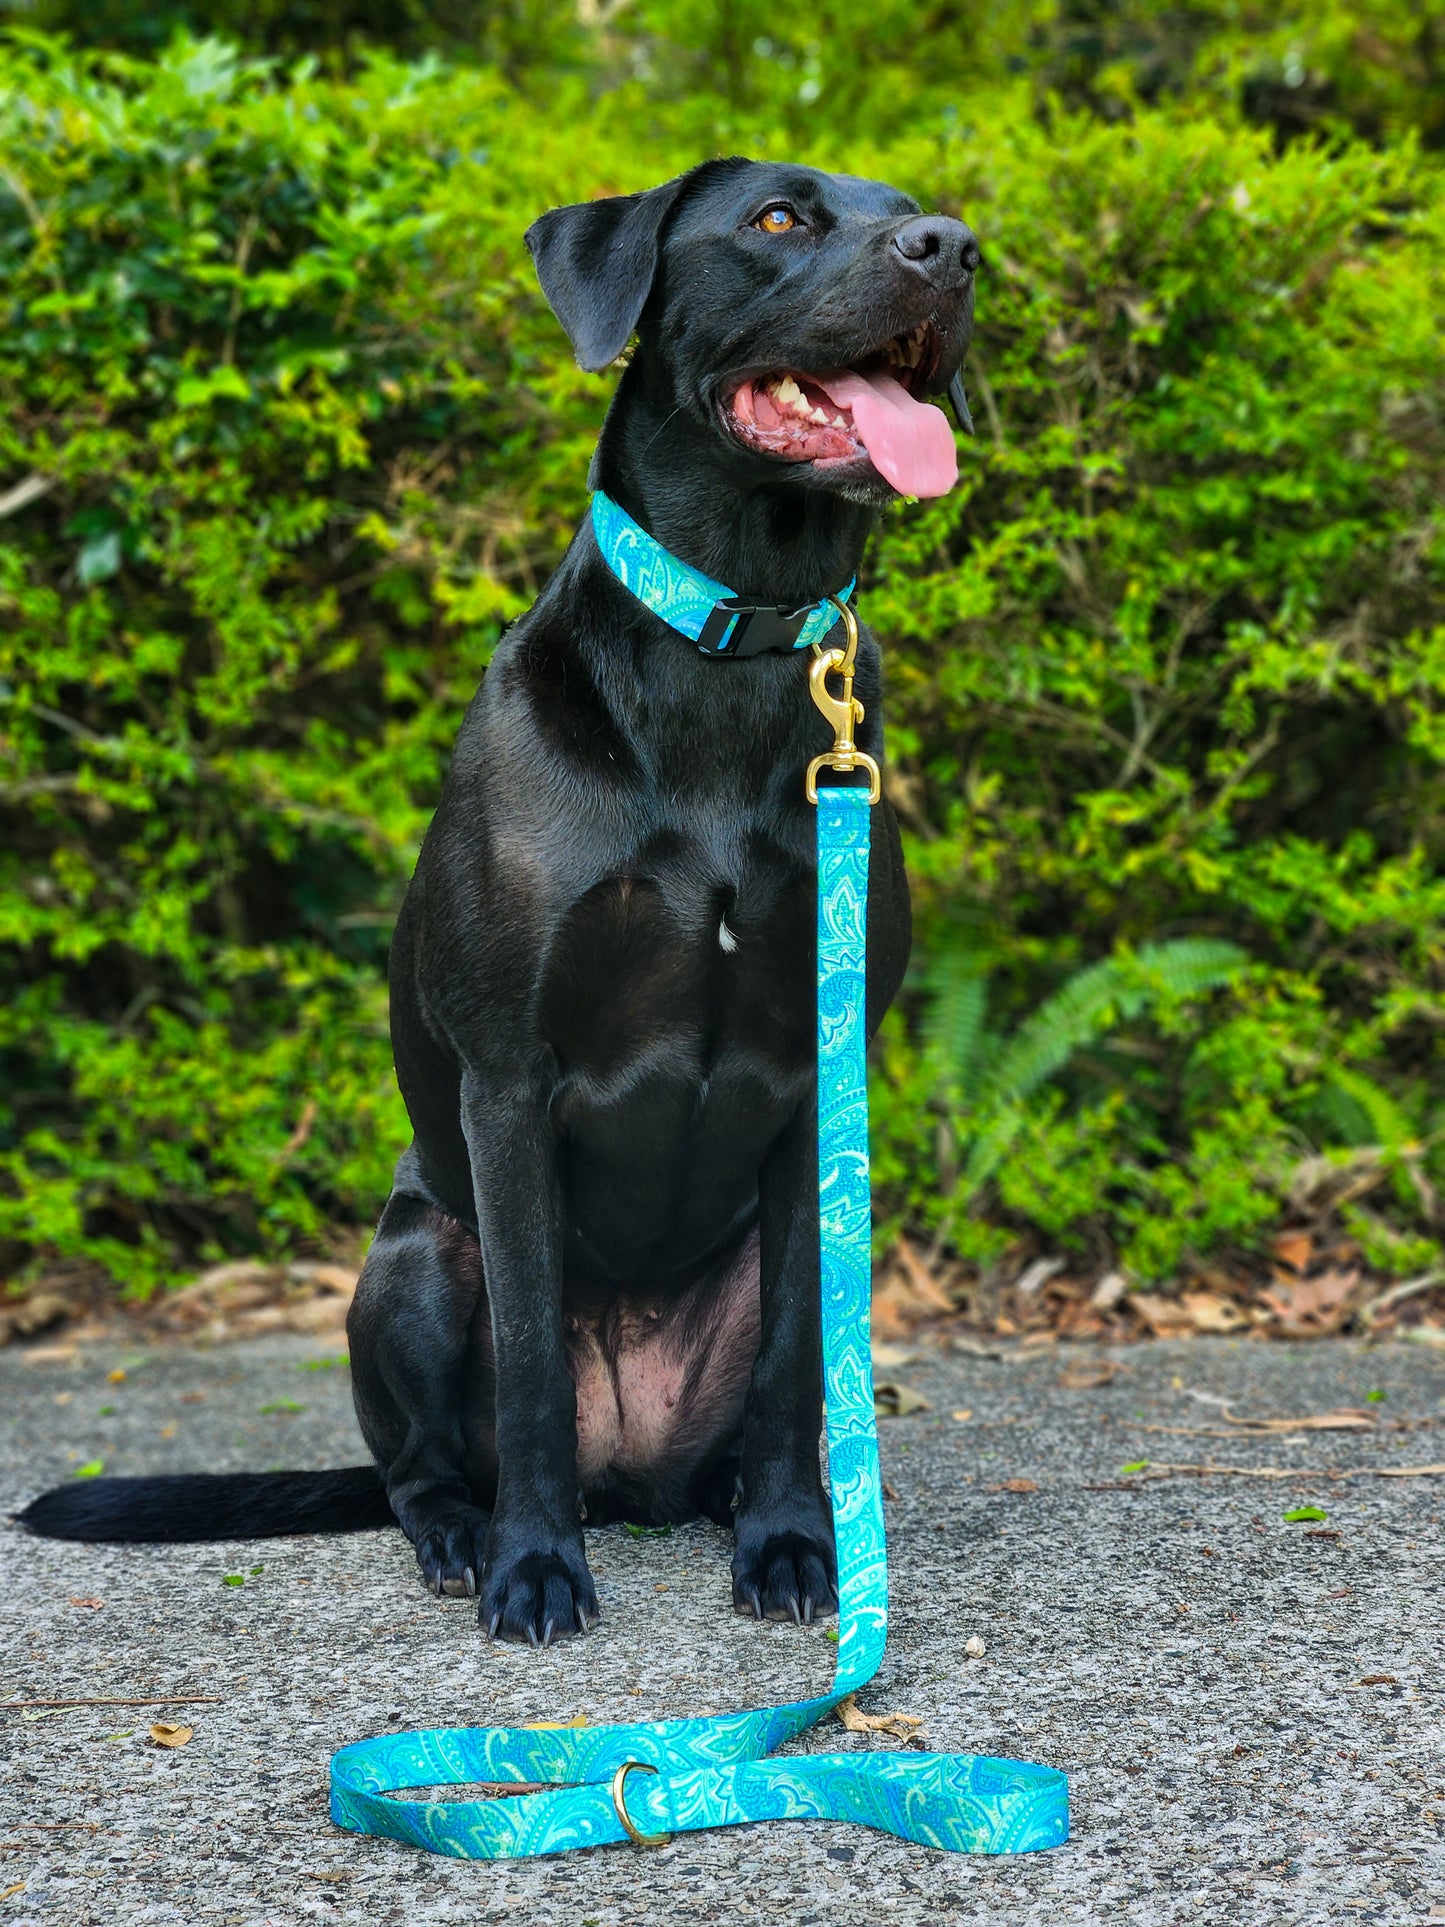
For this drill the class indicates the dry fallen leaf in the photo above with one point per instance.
(1088, 1378)
(1016, 1485)
(928, 1294)
(18, 1888)
(962, 1418)
(893, 1399)
(1378, 1679)
(1210, 1311)
(85, 1599)
(1294, 1249)
(1111, 1288)
(1307, 1306)
(164, 1734)
(901, 1725)
(1165, 1317)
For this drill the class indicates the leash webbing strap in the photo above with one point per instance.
(714, 1772)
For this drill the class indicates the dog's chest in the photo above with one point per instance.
(677, 1000)
(683, 956)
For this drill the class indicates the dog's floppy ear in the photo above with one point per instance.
(596, 263)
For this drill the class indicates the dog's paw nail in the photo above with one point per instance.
(471, 1583)
(489, 1626)
(795, 1609)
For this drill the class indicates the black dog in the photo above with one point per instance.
(593, 1293)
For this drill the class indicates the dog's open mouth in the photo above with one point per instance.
(871, 409)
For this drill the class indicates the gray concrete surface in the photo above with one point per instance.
(1191, 1660)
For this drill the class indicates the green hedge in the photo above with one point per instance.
(288, 435)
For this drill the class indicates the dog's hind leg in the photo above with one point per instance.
(423, 1383)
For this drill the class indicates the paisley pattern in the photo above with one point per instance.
(673, 589)
(714, 1772)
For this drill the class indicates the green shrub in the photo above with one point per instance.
(288, 435)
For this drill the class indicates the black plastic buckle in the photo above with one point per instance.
(760, 626)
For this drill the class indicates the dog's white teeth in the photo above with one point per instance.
(788, 392)
(820, 416)
(838, 422)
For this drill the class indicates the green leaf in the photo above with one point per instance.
(196, 390)
(1305, 1515)
(646, 1532)
(234, 1579)
(92, 1469)
(1376, 1397)
(282, 1405)
(1138, 1465)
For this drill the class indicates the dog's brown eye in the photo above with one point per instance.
(776, 220)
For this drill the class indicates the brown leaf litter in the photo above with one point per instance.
(902, 1726)
(1310, 1281)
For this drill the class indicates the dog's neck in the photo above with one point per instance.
(779, 542)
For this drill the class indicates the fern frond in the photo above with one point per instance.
(1384, 1122)
(955, 1019)
(1188, 966)
(1098, 998)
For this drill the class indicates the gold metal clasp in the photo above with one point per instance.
(843, 712)
(619, 1783)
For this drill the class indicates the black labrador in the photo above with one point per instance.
(593, 1293)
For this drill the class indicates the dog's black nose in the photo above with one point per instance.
(939, 249)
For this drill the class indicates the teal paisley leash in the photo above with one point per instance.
(646, 1782)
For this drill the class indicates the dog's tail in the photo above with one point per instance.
(211, 1505)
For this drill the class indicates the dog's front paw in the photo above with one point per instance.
(538, 1596)
(449, 1549)
(788, 1572)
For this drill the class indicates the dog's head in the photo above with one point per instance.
(800, 318)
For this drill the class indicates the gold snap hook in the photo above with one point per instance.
(619, 1783)
(843, 712)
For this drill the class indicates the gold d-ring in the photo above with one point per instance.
(619, 1781)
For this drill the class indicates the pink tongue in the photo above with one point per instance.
(909, 442)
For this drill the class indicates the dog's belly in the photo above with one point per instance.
(661, 1380)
